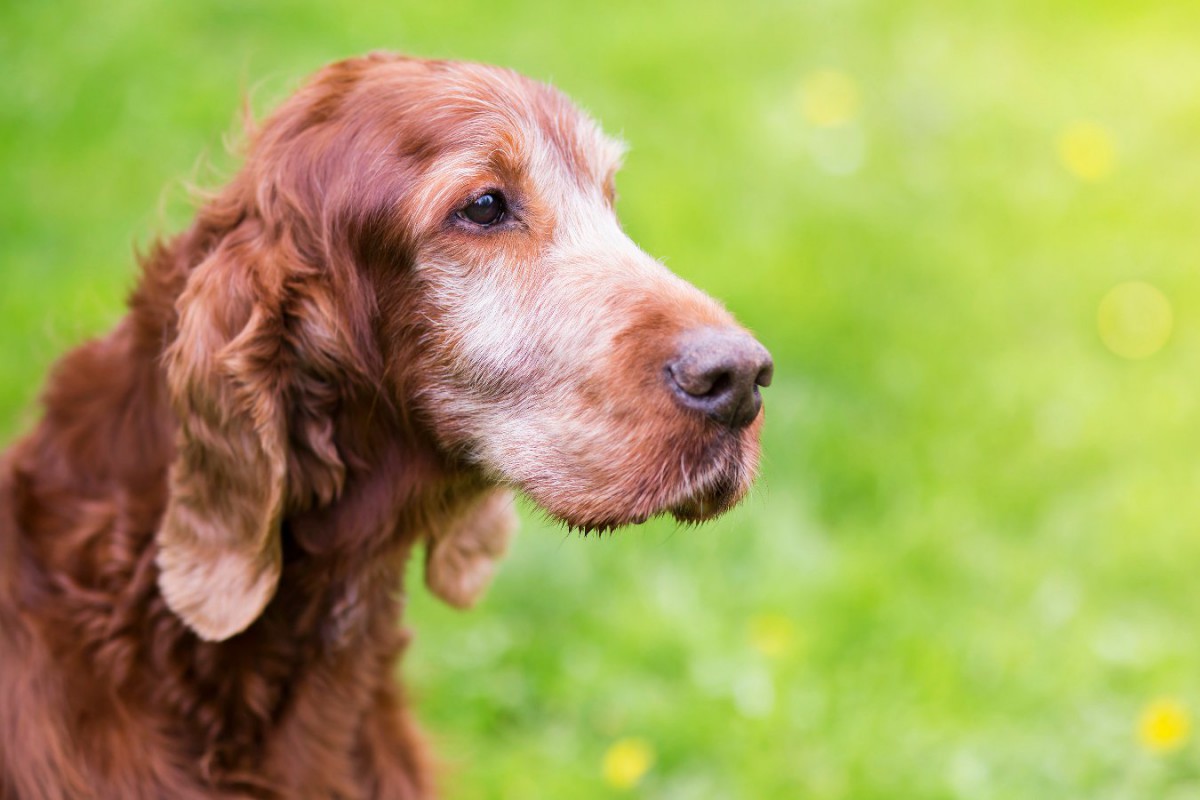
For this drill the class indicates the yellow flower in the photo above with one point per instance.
(829, 98)
(1086, 151)
(1164, 726)
(773, 635)
(627, 761)
(1135, 320)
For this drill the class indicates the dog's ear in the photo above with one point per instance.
(219, 548)
(461, 557)
(249, 361)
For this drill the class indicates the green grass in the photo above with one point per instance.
(971, 563)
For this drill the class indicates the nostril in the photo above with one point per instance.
(763, 378)
(701, 383)
(718, 372)
(722, 384)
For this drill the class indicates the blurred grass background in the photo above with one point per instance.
(970, 569)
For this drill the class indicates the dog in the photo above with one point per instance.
(413, 299)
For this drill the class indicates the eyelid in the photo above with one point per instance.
(468, 198)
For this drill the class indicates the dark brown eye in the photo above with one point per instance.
(487, 209)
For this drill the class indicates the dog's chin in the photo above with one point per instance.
(688, 505)
(708, 481)
(705, 506)
(705, 497)
(728, 470)
(712, 498)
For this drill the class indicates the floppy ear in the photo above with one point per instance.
(461, 557)
(219, 548)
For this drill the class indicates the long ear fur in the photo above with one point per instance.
(255, 354)
(273, 334)
(219, 549)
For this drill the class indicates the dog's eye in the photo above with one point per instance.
(487, 209)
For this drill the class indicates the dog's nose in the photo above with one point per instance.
(718, 372)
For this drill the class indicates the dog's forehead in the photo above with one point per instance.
(499, 109)
(574, 136)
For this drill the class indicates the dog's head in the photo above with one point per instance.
(444, 233)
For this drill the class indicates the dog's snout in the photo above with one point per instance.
(718, 372)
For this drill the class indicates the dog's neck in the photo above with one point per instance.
(92, 480)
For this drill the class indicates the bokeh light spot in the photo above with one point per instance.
(627, 761)
(1086, 150)
(829, 98)
(1135, 320)
(1164, 726)
(773, 635)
